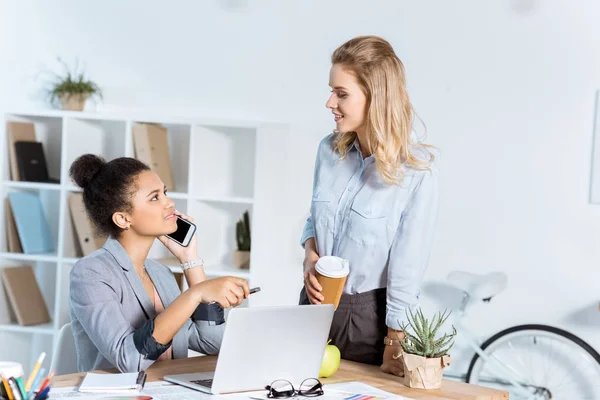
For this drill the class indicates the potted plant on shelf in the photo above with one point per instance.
(72, 89)
(424, 356)
(241, 257)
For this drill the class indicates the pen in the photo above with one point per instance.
(21, 388)
(43, 394)
(36, 381)
(46, 382)
(141, 380)
(7, 389)
(14, 388)
(252, 291)
(35, 371)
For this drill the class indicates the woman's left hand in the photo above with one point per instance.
(392, 363)
(183, 254)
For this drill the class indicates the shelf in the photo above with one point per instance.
(31, 185)
(47, 329)
(215, 189)
(225, 199)
(73, 188)
(177, 195)
(51, 257)
(213, 271)
(142, 117)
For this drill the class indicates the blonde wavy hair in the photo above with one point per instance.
(390, 116)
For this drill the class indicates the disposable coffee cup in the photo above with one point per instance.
(331, 273)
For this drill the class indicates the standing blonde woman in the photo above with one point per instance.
(374, 203)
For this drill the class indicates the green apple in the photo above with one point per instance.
(331, 361)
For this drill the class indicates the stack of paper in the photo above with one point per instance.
(132, 382)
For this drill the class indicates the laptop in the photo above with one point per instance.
(264, 344)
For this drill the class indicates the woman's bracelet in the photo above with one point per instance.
(391, 342)
(192, 264)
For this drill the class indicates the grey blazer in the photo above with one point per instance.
(109, 303)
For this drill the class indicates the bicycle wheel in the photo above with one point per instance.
(549, 362)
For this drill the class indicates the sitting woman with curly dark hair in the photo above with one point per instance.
(127, 311)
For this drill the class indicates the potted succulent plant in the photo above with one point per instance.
(241, 257)
(424, 356)
(72, 89)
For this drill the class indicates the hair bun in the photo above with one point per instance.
(85, 168)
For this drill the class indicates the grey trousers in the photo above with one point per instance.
(358, 326)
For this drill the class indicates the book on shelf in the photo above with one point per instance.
(32, 226)
(86, 238)
(7, 314)
(151, 146)
(18, 132)
(24, 295)
(32, 162)
(13, 242)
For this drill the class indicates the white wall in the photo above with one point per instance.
(506, 89)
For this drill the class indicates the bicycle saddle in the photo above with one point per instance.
(482, 287)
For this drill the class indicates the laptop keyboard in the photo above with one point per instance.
(203, 382)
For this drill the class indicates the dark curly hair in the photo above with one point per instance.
(107, 187)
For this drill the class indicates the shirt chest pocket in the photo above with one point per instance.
(368, 225)
(323, 211)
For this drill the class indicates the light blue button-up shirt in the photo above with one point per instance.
(384, 231)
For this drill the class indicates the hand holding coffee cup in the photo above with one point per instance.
(331, 273)
(313, 288)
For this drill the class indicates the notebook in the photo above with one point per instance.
(33, 229)
(131, 382)
(32, 162)
(25, 296)
(18, 131)
(151, 146)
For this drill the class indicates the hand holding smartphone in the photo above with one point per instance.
(184, 233)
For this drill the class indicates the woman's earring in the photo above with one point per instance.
(127, 228)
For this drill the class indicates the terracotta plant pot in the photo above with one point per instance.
(241, 259)
(424, 373)
(73, 102)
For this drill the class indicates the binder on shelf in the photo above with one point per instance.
(33, 229)
(12, 235)
(84, 229)
(25, 296)
(151, 146)
(7, 315)
(18, 132)
(32, 162)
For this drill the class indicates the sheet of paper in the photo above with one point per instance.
(162, 390)
(159, 390)
(345, 391)
(363, 388)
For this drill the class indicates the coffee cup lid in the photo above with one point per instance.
(9, 368)
(332, 267)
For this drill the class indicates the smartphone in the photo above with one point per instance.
(184, 233)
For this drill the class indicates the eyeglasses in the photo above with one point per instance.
(281, 389)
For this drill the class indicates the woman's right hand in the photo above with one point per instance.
(227, 291)
(313, 289)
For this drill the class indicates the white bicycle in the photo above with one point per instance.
(532, 362)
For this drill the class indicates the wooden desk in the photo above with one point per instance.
(348, 372)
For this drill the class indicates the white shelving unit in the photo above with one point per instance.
(215, 168)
